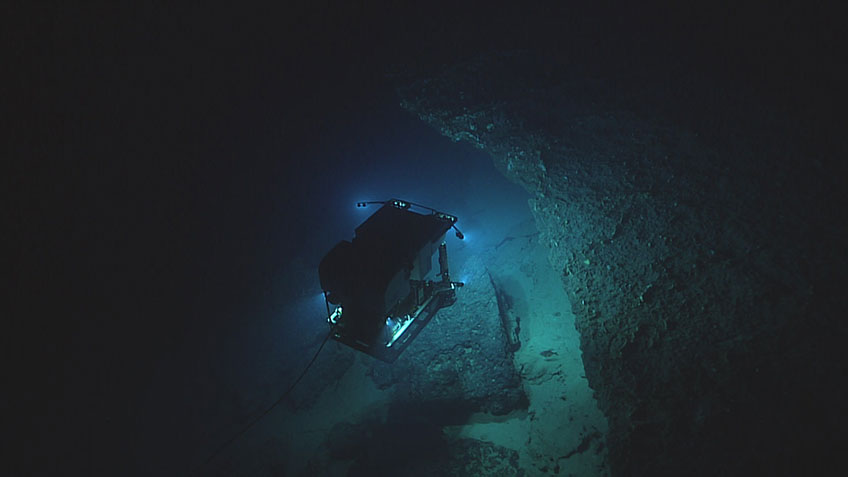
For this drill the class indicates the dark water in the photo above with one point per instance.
(176, 176)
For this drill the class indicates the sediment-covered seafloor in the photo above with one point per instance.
(698, 247)
(464, 398)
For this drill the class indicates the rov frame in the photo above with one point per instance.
(379, 283)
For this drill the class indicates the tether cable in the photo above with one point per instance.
(246, 428)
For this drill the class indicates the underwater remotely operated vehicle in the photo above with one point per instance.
(380, 282)
(380, 285)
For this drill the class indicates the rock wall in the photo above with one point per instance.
(700, 266)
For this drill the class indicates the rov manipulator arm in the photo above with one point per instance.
(446, 282)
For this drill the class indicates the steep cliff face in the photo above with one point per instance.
(696, 255)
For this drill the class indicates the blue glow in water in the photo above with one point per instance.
(318, 300)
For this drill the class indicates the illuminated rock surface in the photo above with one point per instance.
(695, 255)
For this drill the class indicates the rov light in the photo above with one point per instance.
(447, 217)
(397, 327)
(334, 318)
(393, 325)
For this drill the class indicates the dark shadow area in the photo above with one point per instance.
(399, 444)
(410, 441)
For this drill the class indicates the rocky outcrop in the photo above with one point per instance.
(699, 263)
